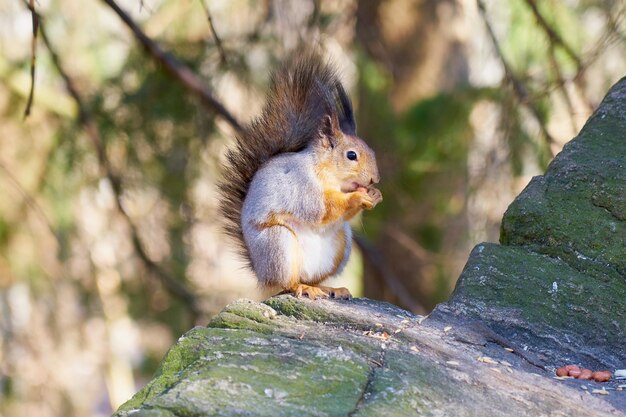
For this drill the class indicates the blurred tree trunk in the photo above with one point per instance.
(421, 45)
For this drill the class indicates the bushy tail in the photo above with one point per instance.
(302, 92)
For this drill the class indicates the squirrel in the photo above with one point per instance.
(295, 177)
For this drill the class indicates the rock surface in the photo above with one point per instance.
(557, 284)
(553, 293)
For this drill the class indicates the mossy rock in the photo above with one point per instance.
(552, 293)
(542, 303)
(577, 210)
(382, 361)
(557, 285)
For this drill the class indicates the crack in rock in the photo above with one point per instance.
(375, 366)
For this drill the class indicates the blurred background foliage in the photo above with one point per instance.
(110, 246)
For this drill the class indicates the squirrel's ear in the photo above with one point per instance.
(328, 132)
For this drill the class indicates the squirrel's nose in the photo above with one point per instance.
(374, 180)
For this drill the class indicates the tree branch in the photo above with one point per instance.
(392, 281)
(218, 41)
(518, 87)
(173, 286)
(33, 58)
(30, 201)
(176, 68)
(561, 86)
(553, 36)
(556, 40)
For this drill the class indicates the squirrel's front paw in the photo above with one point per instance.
(375, 195)
(360, 200)
(365, 200)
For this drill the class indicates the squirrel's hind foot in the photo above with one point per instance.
(314, 293)
(339, 293)
(308, 291)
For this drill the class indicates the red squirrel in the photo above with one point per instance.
(295, 177)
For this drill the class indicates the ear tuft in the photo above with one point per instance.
(328, 131)
(344, 109)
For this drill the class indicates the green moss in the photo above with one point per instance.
(227, 320)
(246, 314)
(411, 385)
(252, 310)
(300, 309)
(576, 220)
(191, 346)
(148, 412)
(235, 372)
(545, 291)
(577, 210)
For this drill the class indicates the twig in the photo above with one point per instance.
(518, 87)
(33, 58)
(29, 200)
(176, 68)
(554, 37)
(557, 40)
(561, 86)
(408, 243)
(392, 281)
(218, 41)
(175, 287)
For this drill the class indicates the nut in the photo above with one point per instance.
(584, 374)
(561, 371)
(601, 376)
(573, 371)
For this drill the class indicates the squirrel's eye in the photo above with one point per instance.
(351, 155)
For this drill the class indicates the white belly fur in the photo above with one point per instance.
(319, 251)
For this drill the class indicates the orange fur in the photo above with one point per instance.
(342, 206)
(278, 219)
(355, 208)
(295, 268)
